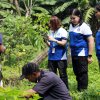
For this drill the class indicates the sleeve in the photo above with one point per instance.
(64, 34)
(0, 39)
(43, 85)
(86, 30)
(50, 33)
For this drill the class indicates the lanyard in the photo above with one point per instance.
(55, 34)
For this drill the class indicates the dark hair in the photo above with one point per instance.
(55, 23)
(77, 12)
(97, 7)
(29, 68)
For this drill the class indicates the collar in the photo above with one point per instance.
(41, 75)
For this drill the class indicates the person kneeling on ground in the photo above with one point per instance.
(48, 84)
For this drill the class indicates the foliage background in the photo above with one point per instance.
(24, 24)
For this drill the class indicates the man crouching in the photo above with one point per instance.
(48, 85)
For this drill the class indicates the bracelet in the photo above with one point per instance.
(89, 56)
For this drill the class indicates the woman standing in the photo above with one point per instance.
(97, 14)
(81, 44)
(57, 41)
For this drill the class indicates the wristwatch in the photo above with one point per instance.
(89, 55)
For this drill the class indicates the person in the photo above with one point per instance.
(48, 85)
(97, 40)
(81, 44)
(57, 42)
(2, 49)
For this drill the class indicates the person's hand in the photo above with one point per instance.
(2, 48)
(28, 94)
(90, 60)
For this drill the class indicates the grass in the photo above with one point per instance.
(93, 91)
(11, 75)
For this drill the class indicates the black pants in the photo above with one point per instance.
(62, 66)
(1, 76)
(80, 68)
(99, 64)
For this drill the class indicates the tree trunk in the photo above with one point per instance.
(40, 57)
(27, 9)
(17, 7)
(44, 54)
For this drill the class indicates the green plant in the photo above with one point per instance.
(14, 94)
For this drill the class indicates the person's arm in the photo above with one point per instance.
(2, 47)
(86, 30)
(62, 43)
(91, 46)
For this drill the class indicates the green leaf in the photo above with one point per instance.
(88, 14)
(49, 2)
(66, 20)
(62, 7)
(41, 9)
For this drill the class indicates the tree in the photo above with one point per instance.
(17, 7)
(31, 7)
(62, 8)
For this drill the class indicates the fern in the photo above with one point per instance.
(14, 94)
(62, 7)
(5, 13)
(88, 14)
(6, 5)
(82, 3)
(40, 9)
(49, 2)
(66, 20)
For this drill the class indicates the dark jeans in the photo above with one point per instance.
(61, 65)
(80, 68)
